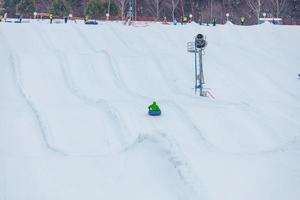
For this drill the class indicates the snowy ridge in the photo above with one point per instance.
(124, 87)
(176, 157)
(48, 137)
(113, 65)
(46, 134)
(81, 93)
(101, 103)
(118, 76)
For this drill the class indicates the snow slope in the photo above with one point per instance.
(74, 123)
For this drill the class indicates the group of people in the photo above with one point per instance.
(183, 19)
(214, 21)
(4, 18)
(20, 17)
(65, 19)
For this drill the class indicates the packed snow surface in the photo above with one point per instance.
(74, 123)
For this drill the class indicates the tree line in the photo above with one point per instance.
(203, 10)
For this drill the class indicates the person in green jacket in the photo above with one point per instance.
(154, 107)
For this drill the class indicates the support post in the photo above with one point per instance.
(196, 84)
(197, 48)
(131, 9)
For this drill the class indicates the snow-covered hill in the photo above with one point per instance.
(74, 123)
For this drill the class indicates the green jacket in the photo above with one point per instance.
(154, 107)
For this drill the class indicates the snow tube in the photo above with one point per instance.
(154, 112)
(91, 22)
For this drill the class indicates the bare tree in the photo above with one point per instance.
(279, 6)
(174, 6)
(211, 9)
(255, 6)
(192, 4)
(1, 6)
(123, 4)
(154, 7)
(182, 7)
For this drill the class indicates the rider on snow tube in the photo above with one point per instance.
(154, 109)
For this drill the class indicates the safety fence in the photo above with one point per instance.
(102, 18)
(290, 21)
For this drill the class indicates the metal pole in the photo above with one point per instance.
(199, 46)
(211, 9)
(135, 10)
(108, 11)
(196, 84)
(200, 72)
(108, 8)
(131, 9)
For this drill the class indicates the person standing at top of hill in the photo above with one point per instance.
(214, 21)
(51, 18)
(86, 18)
(242, 20)
(5, 17)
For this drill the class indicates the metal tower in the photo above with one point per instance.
(197, 47)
